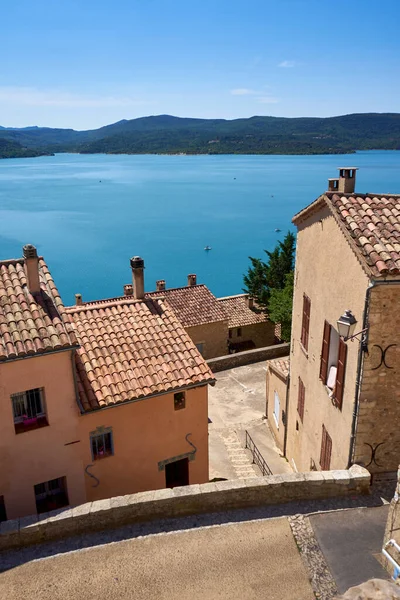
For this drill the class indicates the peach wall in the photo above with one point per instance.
(276, 383)
(144, 433)
(42, 454)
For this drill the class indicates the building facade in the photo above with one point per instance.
(97, 400)
(344, 402)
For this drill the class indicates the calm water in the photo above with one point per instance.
(89, 214)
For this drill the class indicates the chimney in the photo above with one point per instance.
(128, 290)
(160, 285)
(32, 268)
(137, 265)
(192, 279)
(250, 302)
(78, 299)
(347, 180)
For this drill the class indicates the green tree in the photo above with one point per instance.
(280, 306)
(263, 277)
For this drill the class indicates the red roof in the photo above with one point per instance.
(239, 313)
(31, 325)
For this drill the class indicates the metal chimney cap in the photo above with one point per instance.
(137, 262)
(29, 251)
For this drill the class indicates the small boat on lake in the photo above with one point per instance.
(277, 229)
(207, 248)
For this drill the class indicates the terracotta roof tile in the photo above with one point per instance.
(30, 324)
(281, 365)
(131, 349)
(239, 313)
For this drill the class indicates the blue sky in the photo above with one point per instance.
(86, 63)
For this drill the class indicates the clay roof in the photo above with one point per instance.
(371, 223)
(31, 325)
(280, 365)
(131, 349)
(239, 313)
(193, 305)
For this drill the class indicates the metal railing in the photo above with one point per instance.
(394, 563)
(258, 458)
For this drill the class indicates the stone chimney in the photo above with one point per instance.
(137, 265)
(160, 285)
(128, 290)
(250, 302)
(192, 279)
(31, 261)
(345, 183)
(78, 299)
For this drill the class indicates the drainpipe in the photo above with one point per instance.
(286, 416)
(73, 366)
(362, 349)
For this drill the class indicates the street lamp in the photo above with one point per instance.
(346, 325)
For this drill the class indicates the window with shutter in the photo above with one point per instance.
(301, 399)
(305, 324)
(340, 374)
(323, 371)
(326, 450)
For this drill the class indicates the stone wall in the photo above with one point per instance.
(378, 432)
(213, 336)
(246, 358)
(261, 334)
(181, 501)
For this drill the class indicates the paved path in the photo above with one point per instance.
(250, 561)
(351, 541)
(237, 403)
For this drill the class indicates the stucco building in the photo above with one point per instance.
(277, 395)
(97, 400)
(344, 400)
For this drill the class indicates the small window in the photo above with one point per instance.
(230, 334)
(200, 347)
(301, 399)
(239, 332)
(333, 363)
(3, 514)
(277, 408)
(51, 495)
(29, 410)
(326, 450)
(102, 444)
(179, 400)
(305, 324)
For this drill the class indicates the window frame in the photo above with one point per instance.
(179, 403)
(58, 493)
(238, 332)
(277, 402)
(305, 322)
(95, 436)
(337, 392)
(301, 396)
(24, 408)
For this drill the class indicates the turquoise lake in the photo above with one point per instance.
(88, 214)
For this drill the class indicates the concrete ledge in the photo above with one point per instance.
(180, 501)
(248, 357)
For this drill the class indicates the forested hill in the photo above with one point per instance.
(10, 149)
(256, 135)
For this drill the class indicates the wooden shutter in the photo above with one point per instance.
(301, 399)
(326, 450)
(305, 324)
(340, 374)
(323, 370)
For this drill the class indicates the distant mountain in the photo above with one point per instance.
(10, 149)
(165, 134)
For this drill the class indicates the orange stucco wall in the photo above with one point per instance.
(144, 433)
(42, 454)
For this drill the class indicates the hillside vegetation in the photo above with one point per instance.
(165, 134)
(10, 149)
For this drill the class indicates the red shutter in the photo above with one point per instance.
(326, 450)
(305, 324)
(340, 374)
(323, 370)
(301, 399)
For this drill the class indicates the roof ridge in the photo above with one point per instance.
(121, 301)
(233, 296)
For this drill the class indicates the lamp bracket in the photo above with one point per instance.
(352, 337)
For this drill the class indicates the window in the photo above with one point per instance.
(102, 444)
(300, 399)
(333, 363)
(3, 514)
(239, 332)
(179, 400)
(326, 450)
(305, 324)
(200, 347)
(51, 495)
(277, 408)
(29, 410)
(230, 334)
